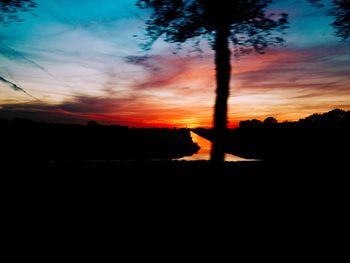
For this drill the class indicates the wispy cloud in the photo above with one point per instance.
(138, 110)
(174, 72)
(15, 87)
(322, 69)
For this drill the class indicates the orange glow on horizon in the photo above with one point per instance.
(182, 93)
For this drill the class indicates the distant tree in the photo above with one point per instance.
(244, 23)
(314, 118)
(250, 124)
(93, 124)
(326, 120)
(270, 120)
(9, 9)
(340, 9)
(333, 117)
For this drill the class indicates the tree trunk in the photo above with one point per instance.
(223, 74)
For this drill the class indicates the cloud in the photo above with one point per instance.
(134, 111)
(77, 110)
(10, 84)
(146, 61)
(174, 90)
(14, 54)
(291, 83)
(313, 69)
(174, 72)
(288, 75)
(98, 105)
(87, 64)
(15, 87)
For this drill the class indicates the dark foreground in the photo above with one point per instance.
(27, 172)
(30, 141)
(321, 137)
(134, 200)
(172, 177)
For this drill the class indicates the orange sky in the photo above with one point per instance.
(180, 92)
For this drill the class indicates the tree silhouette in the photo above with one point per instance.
(270, 121)
(243, 23)
(10, 8)
(341, 11)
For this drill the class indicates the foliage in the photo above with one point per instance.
(341, 11)
(251, 27)
(9, 9)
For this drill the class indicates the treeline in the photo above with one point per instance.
(333, 119)
(316, 137)
(29, 140)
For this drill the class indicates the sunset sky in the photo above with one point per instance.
(81, 60)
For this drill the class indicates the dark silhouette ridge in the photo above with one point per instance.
(315, 138)
(38, 141)
(27, 147)
(243, 23)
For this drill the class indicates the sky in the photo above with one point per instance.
(72, 61)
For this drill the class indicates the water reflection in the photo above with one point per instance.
(204, 151)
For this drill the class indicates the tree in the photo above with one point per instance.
(10, 8)
(270, 121)
(341, 11)
(243, 23)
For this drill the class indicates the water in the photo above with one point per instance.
(204, 151)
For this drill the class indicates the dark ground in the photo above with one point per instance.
(318, 138)
(28, 175)
(170, 204)
(172, 176)
(26, 140)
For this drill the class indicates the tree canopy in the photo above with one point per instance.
(251, 27)
(341, 11)
(9, 9)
